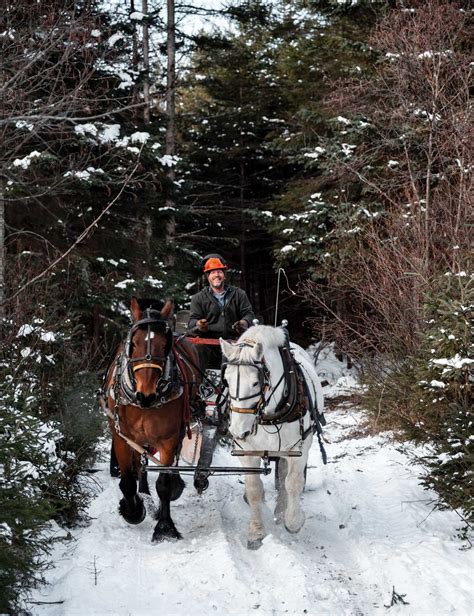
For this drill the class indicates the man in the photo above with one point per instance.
(219, 310)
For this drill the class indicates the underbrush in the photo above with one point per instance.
(429, 394)
(48, 431)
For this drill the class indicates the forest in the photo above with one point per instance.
(324, 148)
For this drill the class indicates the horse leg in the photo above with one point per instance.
(177, 486)
(294, 484)
(254, 496)
(282, 499)
(131, 506)
(143, 487)
(113, 463)
(169, 487)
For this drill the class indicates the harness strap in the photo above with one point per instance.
(291, 407)
(236, 409)
(186, 393)
(141, 450)
(147, 365)
(122, 392)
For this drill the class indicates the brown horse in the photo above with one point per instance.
(149, 387)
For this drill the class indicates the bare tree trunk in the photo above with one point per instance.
(136, 97)
(241, 199)
(171, 126)
(242, 227)
(2, 254)
(134, 39)
(146, 64)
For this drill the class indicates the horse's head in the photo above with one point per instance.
(147, 348)
(244, 373)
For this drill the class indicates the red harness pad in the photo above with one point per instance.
(196, 340)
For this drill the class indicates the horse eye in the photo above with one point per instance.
(255, 384)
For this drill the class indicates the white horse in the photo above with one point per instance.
(264, 395)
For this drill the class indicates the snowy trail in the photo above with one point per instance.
(368, 529)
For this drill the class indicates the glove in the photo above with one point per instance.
(240, 326)
(202, 325)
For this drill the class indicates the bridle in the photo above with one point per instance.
(263, 380)
(148, 360)
(152, 322)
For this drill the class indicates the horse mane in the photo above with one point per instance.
(268, 336)
(153, 304)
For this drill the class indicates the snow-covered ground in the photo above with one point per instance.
(370, 528)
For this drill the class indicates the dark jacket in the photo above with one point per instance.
(220, 320)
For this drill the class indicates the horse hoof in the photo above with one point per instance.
(165, 530)
(254, 544)
(297, 525)
(132, 516)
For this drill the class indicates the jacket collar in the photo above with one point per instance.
(229, 292)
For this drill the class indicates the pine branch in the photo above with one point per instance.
(81, 237)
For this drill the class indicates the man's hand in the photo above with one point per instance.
(240, 326)
(202, 325)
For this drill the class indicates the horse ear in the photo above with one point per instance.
(135, 309)
(226, 348)
(167, 309)
(258, 351)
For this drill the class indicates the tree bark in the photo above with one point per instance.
(146, 64)
(171, 124)
(136, 95)
(2, 255)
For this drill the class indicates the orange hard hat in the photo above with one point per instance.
(214, 263)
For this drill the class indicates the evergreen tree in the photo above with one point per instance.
(258, 130)
(441, 391)
(83, 181)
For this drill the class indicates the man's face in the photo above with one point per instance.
(216, 279)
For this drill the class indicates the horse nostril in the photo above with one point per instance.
(149, 400)
(145, 401)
